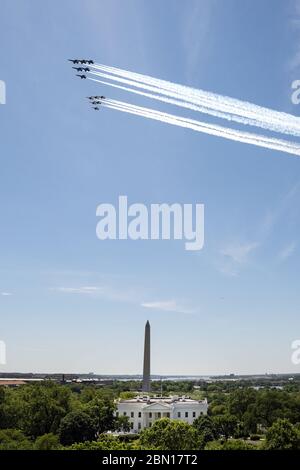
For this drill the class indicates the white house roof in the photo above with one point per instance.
(163, 401)
(157, 406)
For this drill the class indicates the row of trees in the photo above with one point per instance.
(32, 411)
(168, 434)
(51, 416)
(213, 433)
(256, 410)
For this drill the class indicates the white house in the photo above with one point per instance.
(142, 411)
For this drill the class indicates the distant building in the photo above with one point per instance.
(142, 411)
(12, 383)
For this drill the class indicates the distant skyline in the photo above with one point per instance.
(70, 302)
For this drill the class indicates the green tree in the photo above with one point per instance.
(270, 405)
(105, 442)
(41, 407)
(121, 424)
(205, 428)
(232, 444)
(102, 413)
(127, 395)
(240, 401)
(166, 434)
(13, 439)
(216, 409)
(47, 442)
(249, 420)
(214, 445)
(237, 444)
(282, 435)
(77, 426)
(11, 408)
(225, 425)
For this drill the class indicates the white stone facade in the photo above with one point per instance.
(143, 411)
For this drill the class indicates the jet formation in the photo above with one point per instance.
(81, 61)
(95, 100)
(81, 69)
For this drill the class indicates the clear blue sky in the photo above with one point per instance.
(59, 161)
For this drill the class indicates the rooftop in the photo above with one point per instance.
(159, 399)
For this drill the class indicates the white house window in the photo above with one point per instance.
(124, 413)
(139, 425)
(186, 414)
(179, 414)
(194, 414)
(132, 414)
(131, 425)
(159, 415)
(140, 414)
(150, 415)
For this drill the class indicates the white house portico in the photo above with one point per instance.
(142, 411)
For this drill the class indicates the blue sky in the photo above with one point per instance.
(232, 307)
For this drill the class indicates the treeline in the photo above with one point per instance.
(48, 416)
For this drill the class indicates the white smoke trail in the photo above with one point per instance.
(276, 126)
(235, 110)
(227, 133)
(184, 104)
(211, 97)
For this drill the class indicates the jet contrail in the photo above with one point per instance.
(224, 130)
(206, 102)
(211, 97)
(187, 105)
(212, 129)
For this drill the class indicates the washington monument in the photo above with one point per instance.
(146, 370)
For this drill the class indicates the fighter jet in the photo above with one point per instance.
(96, 97)
(96, 102)
(86, 69)
(86, 61)
(79, 69)
(96, 108)
(81, 76)
(75, 61)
